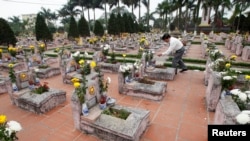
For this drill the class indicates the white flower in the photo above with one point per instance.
(86, 53)
(108, 80)
(235, 91)
(243, 118)
(242, 96)
(76, 54)
(14, 126)
(227, 78)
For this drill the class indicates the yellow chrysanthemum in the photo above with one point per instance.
(247, 77)
(42, 45)
(77, 84)
(3, 119)
(10, 65)
(228, 65)
(81, 62)
(57, 49)
(32, 47)
(1, 50)
(233, 57)
(92, 90)
(124, 55)
(74, 80)
(92, 64)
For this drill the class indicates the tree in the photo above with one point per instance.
(112, 26)
(98, 30)
(73, 31)
(83, 27)
(41, 30)
(6, 34)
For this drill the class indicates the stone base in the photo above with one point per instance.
(226, 111)
(154, 91)
(17, 67)
(48, 72)
(3, 88)
(130, 129)
(160, 73)
(108, 67)
(40, 103)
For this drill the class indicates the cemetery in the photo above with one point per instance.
(103, 81)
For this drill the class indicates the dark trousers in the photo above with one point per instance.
(177, 60)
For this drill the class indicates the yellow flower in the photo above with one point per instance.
(124, 55)
(233, 57)
(228, 65)
(42, 45)
(74, 80)
(3, 119)
(247, 77)
(81, 62)
(10, 65)
(1, 50)
(92, 64)
(77, 84)
(57, 49)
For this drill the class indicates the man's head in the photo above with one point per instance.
(166, 37)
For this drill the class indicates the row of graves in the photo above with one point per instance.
(94, 111)
(23, 83)
(228, 91)
(238, 44)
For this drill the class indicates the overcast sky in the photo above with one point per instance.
(10, 8)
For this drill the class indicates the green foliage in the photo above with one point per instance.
(6, 34)
(98, 30)
(112, 25)
(122, 113)
(42, 30)
(12, 73)
(41, 88)
(73, 31)
(83, 27)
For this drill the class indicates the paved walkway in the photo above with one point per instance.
(180, 116)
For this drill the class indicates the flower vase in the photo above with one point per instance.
(14, 87)
(103, 101)
(85, 110)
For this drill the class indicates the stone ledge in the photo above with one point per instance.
(48, 72)
(148, 91)
(160, 73)
(119, 129)
(41, 103)
(226, 111)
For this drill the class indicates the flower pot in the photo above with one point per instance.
(103, 106)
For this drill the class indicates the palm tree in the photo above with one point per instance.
(146, 3)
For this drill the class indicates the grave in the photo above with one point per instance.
(27, 99)
(98, 123)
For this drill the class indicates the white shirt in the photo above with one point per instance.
(174, 45)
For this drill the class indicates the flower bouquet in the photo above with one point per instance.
(8, 129)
